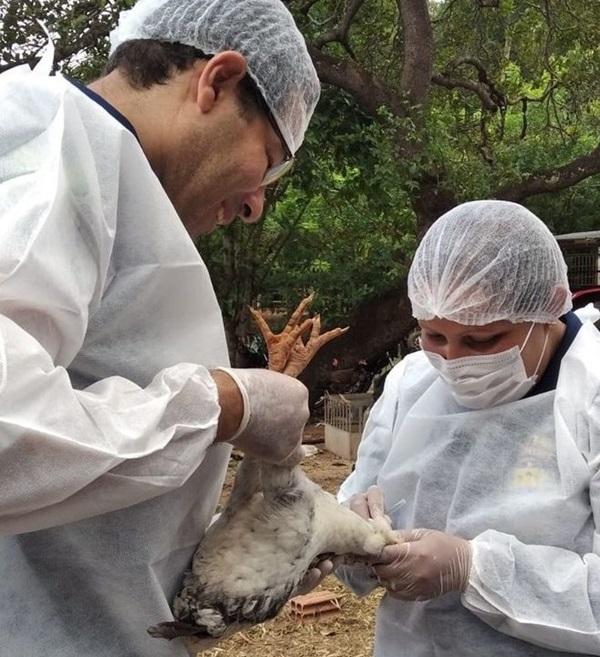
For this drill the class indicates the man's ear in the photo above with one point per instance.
(221, 73)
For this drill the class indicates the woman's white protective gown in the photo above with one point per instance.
(522, 481)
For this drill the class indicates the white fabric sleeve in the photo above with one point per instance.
(66, 454)
(373, 450)
(546, 595)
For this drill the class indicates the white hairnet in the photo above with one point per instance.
(262, 30)
(486, 261)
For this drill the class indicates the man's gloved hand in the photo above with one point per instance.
(275, 412)
(424, 564)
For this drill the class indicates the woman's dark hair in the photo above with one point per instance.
(146, 62)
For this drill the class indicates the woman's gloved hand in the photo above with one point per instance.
(275, 410)
(424, 564)
(315, 575)
(368, 505)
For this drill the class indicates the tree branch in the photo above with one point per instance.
(340, 32)
(553, 180)
(418, 51)
(446, 12)
(525, 100)
(476, 87)
(307, 6)
(369, 92)
(491, 98)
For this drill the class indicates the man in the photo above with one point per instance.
(115, 419)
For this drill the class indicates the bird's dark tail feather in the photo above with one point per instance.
(173, 629)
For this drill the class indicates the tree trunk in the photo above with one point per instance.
(377, 327)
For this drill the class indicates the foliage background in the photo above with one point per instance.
(425, 104)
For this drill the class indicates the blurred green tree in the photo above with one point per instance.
(425, 104)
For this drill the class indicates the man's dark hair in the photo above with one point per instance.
(146, 62)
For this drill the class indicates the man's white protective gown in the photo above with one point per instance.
(529, 470)
(108, 326)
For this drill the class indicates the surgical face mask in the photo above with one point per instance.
(489, 380)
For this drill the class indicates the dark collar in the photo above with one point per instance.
(113, 111)
(549, 378)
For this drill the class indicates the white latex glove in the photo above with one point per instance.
(275, 412)
(424, 564)
(369, 505)
(361, 577)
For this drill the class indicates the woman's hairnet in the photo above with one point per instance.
(486, 261)
(262, 30)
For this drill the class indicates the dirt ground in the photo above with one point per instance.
(347, 633)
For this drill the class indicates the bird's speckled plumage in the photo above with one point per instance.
(252, 558)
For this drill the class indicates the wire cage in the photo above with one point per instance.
(583, 268)
(582, 255)
(345, 417)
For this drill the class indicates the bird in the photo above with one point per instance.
(276, 525)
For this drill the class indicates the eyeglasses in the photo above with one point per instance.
(274, 173)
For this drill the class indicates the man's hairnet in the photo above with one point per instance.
(262, 30)
(486, 261)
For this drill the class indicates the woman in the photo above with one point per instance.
(485, 447)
